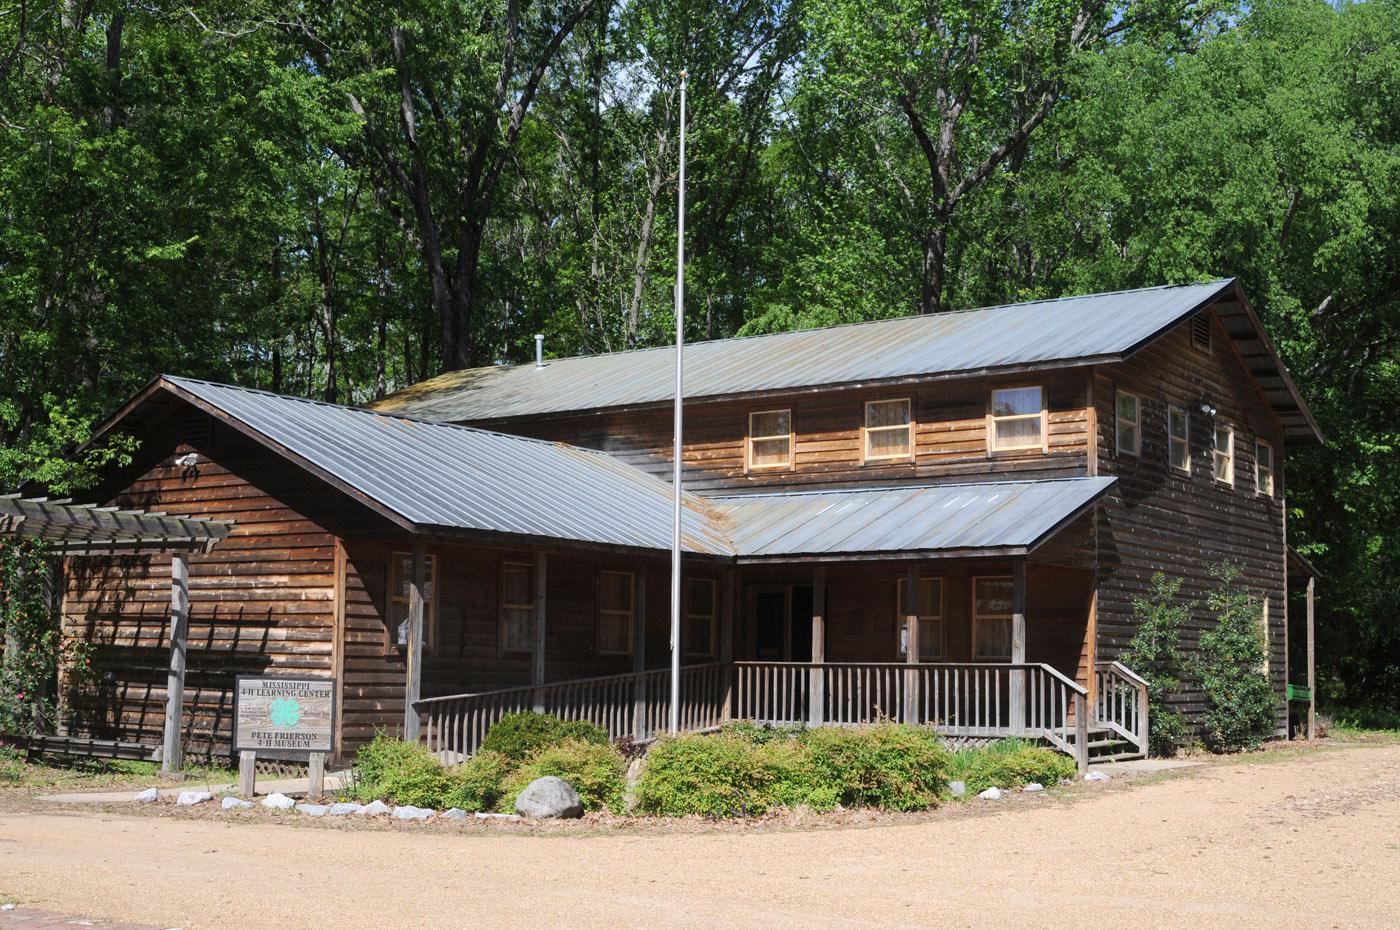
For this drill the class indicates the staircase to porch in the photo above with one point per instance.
(967, 703)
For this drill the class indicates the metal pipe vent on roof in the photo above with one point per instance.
(539, 350)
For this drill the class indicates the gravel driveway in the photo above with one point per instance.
(1293, 840)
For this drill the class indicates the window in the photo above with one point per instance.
(770, 439)
(517, 607)
(1225, 454)
(1129, 424)
(889, 430)
(1179, 439)
(615, 613)
(1200, 331)
(930, 613)
(1017, 419)
(1264, 467)
(400, 588)
(991, 618)
(699, 634)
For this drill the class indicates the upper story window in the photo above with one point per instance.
(1179, 439)
(700, 602)
(517, 607)
(929, 610)
(400, 592)
(615, 613)
(889, 430)
(1225, 454)
(1264, 467)
(770, 440)
(1129, 424)
(991, 618)
(1017, 419)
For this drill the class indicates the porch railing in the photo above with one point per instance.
(1120, 703)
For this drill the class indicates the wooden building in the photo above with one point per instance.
(939, 519)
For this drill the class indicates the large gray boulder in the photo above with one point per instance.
(548, 798)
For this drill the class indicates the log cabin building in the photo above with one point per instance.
(940, 519)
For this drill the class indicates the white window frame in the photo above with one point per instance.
(1228, 478)
(925, 640)
(752, 438)
(687, 637)
(1135, 423)
(629, 616)
(502, 637)
(400, 599)
(1173, 440)
(1271, 471)
(866, 429)
(993, 421)
(978, 618)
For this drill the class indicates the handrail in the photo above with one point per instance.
(1050, 669)
(1121, 704)
(1124, 671)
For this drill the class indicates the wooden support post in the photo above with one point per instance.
(816, 675)
(640, 725)
(413, 687)
(537, 637)
(911, 645)
(1081, 733)
(1016, 689)
(172, 750)
(316, 776)
(247, 773)
(1312, 666)
(726, 640)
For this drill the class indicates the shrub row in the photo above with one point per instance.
(1009, 763)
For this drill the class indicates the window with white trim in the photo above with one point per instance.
(517, 633)
(700, 610)
(400, 592)
(991, 618)
(1017, 419)
(1179, 439)
(929, 610)
(1264, 467)
(1127, 419)
(889, 430)
(615, 612)
(1224, 459)
(770, 440)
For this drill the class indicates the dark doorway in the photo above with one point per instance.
(782, 623)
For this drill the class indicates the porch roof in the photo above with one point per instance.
(1005, 518)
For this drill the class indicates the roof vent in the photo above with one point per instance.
(1200, 331)
(539, 350)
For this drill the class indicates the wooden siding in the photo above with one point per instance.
(950, 437)
(1160, 519)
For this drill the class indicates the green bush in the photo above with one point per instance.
(714, 776)
(758, 733)
(595, 772)
(479, 783)
(1154, 652)
(1009, 763)
(405, 773)
(887, 765)
(518, 736)
(1232, 667)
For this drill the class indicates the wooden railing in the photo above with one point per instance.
(1120, 703)
(634, 704)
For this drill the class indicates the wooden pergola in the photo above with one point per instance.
(70, 529)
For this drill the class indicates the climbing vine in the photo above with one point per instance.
(34, 649)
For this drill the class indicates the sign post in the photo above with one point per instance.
(283, 718)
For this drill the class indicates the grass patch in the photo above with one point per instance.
(1009, 763)
(22, 772)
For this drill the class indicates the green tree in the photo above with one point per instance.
(1154, 652)
(1233, 668)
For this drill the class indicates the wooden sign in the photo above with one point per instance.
(288, 717)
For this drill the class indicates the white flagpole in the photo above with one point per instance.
(674, 721)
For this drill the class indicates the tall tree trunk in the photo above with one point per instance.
(639, 262)
(934, 244)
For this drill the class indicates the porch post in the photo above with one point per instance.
(537, 639)
(726, 641)
(1017, 685)
(816, 675)
(1312, 667)
(639, 659)
(172, 750)
(413, 688)
(911, 645)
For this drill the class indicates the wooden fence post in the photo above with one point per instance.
(640, 729)
(1016, 695)
(911, 645)
(247, 773)
(316, 776)
(413, 687)
(1081, 732)
(172, 749)
(726, 640)
(537, 639)
(816, 680)
(1312, 666)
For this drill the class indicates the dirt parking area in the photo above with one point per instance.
(1284, 839)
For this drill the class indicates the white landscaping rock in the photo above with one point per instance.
(1096, 776)
(191, 798)
(375, 809)
(312, 810)
(549, 797)
(483, 815)
(278, 802)
(147, 796)
(409, 812)
(991, 794)
(957, 788)
(345, 807)
(230, 803)
(1033, 786)
(454, 813)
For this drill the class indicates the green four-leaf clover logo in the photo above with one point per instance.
(285, 712)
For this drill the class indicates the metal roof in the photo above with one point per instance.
(86, 529)
(1001, 517)
(430, 475)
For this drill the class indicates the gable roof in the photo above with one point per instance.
(1065, 332)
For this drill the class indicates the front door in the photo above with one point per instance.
(782, 623)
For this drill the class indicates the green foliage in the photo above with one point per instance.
(716, 775)
(479, 783)
(404, 773)
(520, 735)
(1009, 763)
(1233, 658)
(889, 766)
(594, 770)
(35, 652)
(1154, 652)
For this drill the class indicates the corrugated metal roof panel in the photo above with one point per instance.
(1065, 330)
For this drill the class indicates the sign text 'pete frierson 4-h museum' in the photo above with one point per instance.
(284, 716)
